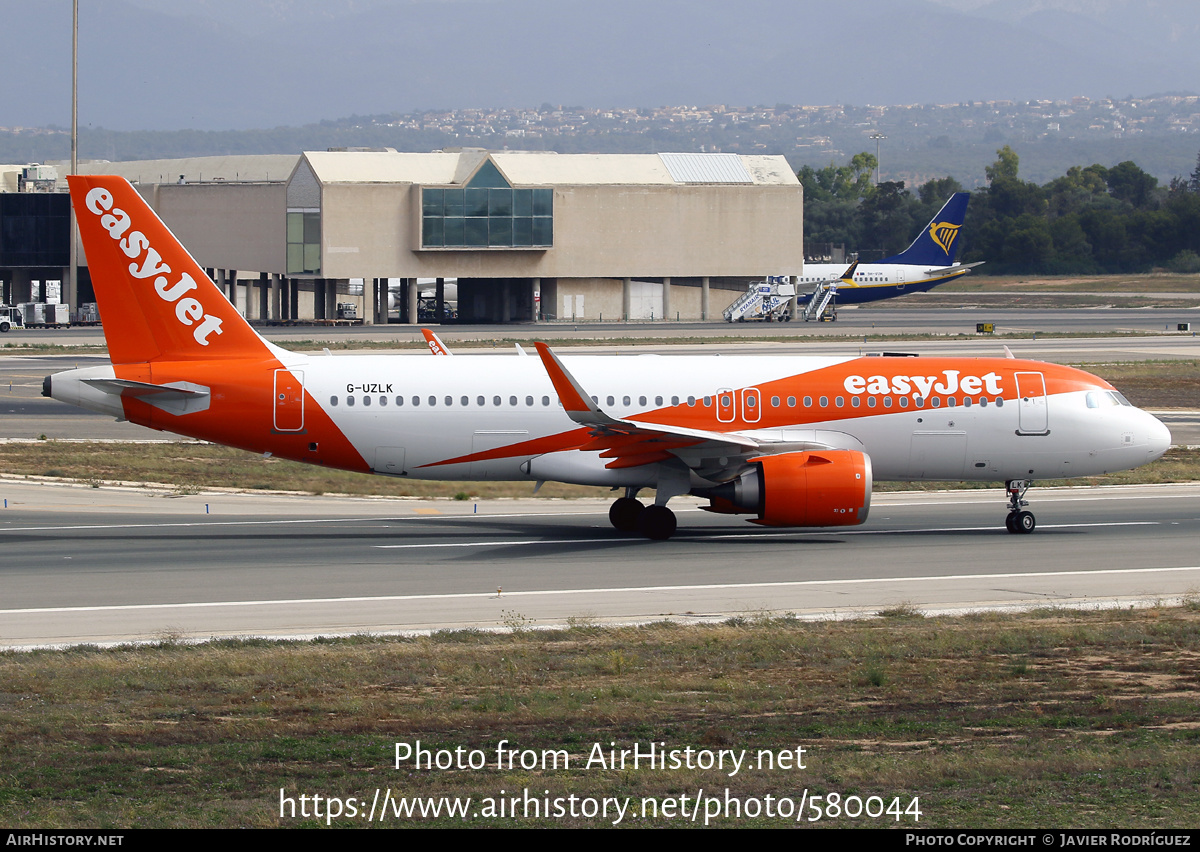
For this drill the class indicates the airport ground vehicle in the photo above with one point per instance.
(10, 318)
(791, 441)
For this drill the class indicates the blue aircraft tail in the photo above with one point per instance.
(937, 244)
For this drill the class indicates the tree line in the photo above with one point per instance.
(1091, 220)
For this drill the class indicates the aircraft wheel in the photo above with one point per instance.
(623, 513)
(1024, 522)
(1008, 522)
(656, 522)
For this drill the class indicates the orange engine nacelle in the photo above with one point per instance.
(819, 488)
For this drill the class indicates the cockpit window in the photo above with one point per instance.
(1120, 399)
(1092, 400)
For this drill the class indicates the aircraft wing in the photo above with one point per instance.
(633, 442)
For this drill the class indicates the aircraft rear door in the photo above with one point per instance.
(289, 401)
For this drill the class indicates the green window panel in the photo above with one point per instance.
(486, 213)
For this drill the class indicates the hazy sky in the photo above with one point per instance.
(222, 64)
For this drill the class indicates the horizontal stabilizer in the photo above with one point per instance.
(174, 398)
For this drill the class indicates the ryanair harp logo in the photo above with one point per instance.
(943, 233)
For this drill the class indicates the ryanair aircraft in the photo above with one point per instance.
(925, 264)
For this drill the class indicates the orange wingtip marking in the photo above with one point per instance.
(435, 345)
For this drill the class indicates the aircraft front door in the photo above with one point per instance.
(1033, 418)
(289, 401)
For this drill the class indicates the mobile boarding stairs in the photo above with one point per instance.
(767, 300)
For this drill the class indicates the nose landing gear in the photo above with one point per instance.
(1019, 520)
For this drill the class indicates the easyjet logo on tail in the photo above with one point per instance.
(943, 233)
(148, 263)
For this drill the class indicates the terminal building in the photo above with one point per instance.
(526, 236)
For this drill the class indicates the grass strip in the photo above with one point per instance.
(1053, 718)
(191, 467)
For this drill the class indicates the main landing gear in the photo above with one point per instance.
(628, 514)
(1019, 520)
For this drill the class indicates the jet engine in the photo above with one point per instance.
(818, 488)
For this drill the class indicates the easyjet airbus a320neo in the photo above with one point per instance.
(789, 441)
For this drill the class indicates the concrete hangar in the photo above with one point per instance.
(527, 235)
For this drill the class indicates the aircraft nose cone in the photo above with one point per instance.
(1158, 438)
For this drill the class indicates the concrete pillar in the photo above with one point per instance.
(67, 290)
(506, 301)
(272, 309)
(331, 298)
(667, 299)
(370, 303)
(626, 298)
(439, 301)
(382, 293)
(535, 290)
(293, 310)
(413, 292)
(794, 307)
(264, 297)
(704, 298)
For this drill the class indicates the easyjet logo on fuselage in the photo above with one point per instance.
(148, 263)
(943, 233)
(948, 383)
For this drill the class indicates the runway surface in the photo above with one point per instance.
(884, 318)
(109, 565)
(106, 565)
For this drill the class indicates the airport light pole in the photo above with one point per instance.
(73, 275)
(877, 136)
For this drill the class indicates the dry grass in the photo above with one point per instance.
(1154, 384)
(1052, 719)
(206, 466)
(1158, 282)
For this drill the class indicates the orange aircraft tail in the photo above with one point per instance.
(155, 301)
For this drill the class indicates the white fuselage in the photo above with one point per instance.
(446, 408)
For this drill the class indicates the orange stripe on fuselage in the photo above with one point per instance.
(831, 383)
(241, 411)
(828, 382)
